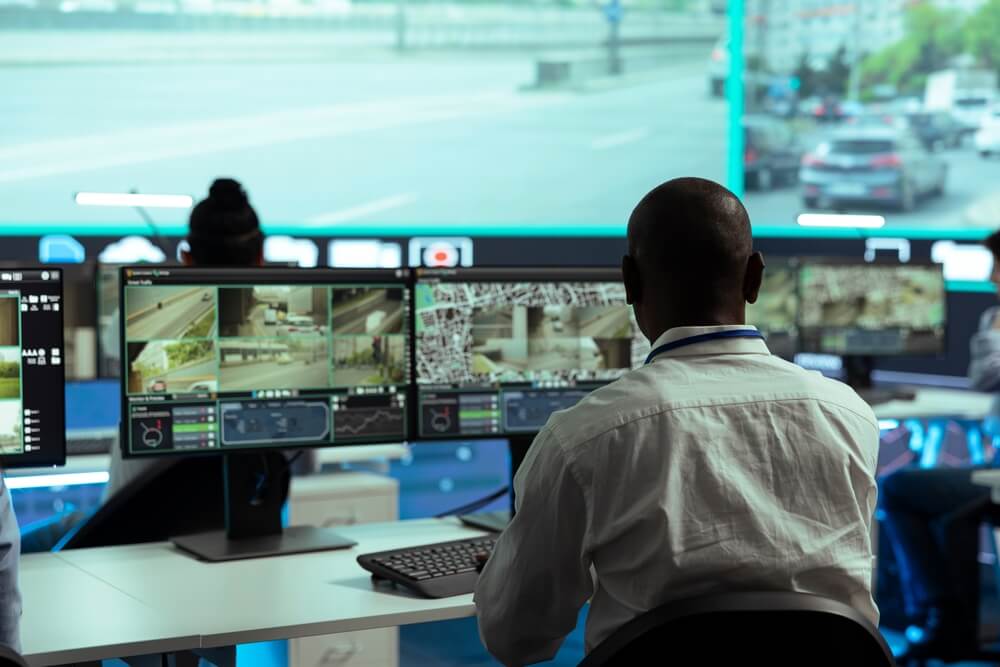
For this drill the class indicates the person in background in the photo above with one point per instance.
(10, 553)
(716, 466)
(223, 230)
(931, 518)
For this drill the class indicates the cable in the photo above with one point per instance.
(475, 504)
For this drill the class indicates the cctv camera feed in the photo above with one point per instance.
(871, 309)
(32, 367)
(497, 351)
(162, 96)
(263, 357)
(776, 311)
(890, 108)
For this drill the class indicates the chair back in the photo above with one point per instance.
(765, 628)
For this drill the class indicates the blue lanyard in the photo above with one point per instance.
(691, 340)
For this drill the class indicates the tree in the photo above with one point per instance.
(982, 34)
(932, 38)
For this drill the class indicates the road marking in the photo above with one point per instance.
(362, 210)
(619, 139)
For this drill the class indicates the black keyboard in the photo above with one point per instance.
(432, 570)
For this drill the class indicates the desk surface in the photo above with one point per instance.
(253, 600)
(930, 403)
(71, 616)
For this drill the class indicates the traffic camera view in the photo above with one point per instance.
(884, 107)
(357, 112)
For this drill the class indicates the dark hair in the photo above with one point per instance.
(993, 243)
(224, 229)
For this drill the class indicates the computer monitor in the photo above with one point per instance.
(872, 309)
(776, 311)
(498, 350)
(243, 360)
(32, 368)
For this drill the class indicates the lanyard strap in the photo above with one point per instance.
(692, 340)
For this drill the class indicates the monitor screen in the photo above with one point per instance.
(227, 359)
(32, 368)
(777, 309)
(877, 108)
(872, 309)
(498, 350)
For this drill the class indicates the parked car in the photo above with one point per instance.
(936, 129)
(204, 386)
(987, 137)
(300, 324)
(157, 386)
(871, 165)
(771, 153)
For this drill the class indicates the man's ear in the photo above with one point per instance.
(753, 277)
(632, 280)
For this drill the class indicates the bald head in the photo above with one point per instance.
(690, 256)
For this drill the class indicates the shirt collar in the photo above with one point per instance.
(708, 347)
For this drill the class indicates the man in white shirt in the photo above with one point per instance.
(716, 466)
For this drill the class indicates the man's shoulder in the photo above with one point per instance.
(641, 393)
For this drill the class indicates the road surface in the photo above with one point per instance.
(179, 380)
(355, 319)
(351, 377)
(413, 139)
(971, 179)
(272, 375)
(173, 319)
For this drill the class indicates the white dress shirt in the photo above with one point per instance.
(715, 467)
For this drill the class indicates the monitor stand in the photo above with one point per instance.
(496, 522)
(256, 486)
(858, 375)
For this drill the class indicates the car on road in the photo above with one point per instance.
(204, 386)
(987, 138)
(771, 153)
(300, 324)
(206, 296)
(284, 359)
(871, 166)
(936, 129)
(157, 386)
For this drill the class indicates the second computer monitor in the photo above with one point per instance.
(499, 350)
(862, 309)
(219, 360)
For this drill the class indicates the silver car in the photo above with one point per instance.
(871, 165)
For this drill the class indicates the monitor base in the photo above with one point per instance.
(216, 547)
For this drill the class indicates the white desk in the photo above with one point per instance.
(944, 403)
(71, 616)
(265, 599)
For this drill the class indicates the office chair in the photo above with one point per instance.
(765, 628)
(11, 658)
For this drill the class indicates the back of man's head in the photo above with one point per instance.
(691, 250)
(224, 229)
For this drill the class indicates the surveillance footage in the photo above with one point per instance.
(178, 92)
(273, 363)
(273, 310)
(168, 313)
(872, 297)
(470, 333)
(776, 309)
(883, 107)
(367, 310)
(268, 337)
(11, 441)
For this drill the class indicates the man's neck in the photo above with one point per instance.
(698, 320)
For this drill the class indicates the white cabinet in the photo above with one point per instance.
(341, 499)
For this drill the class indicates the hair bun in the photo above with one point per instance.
(228, 193)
